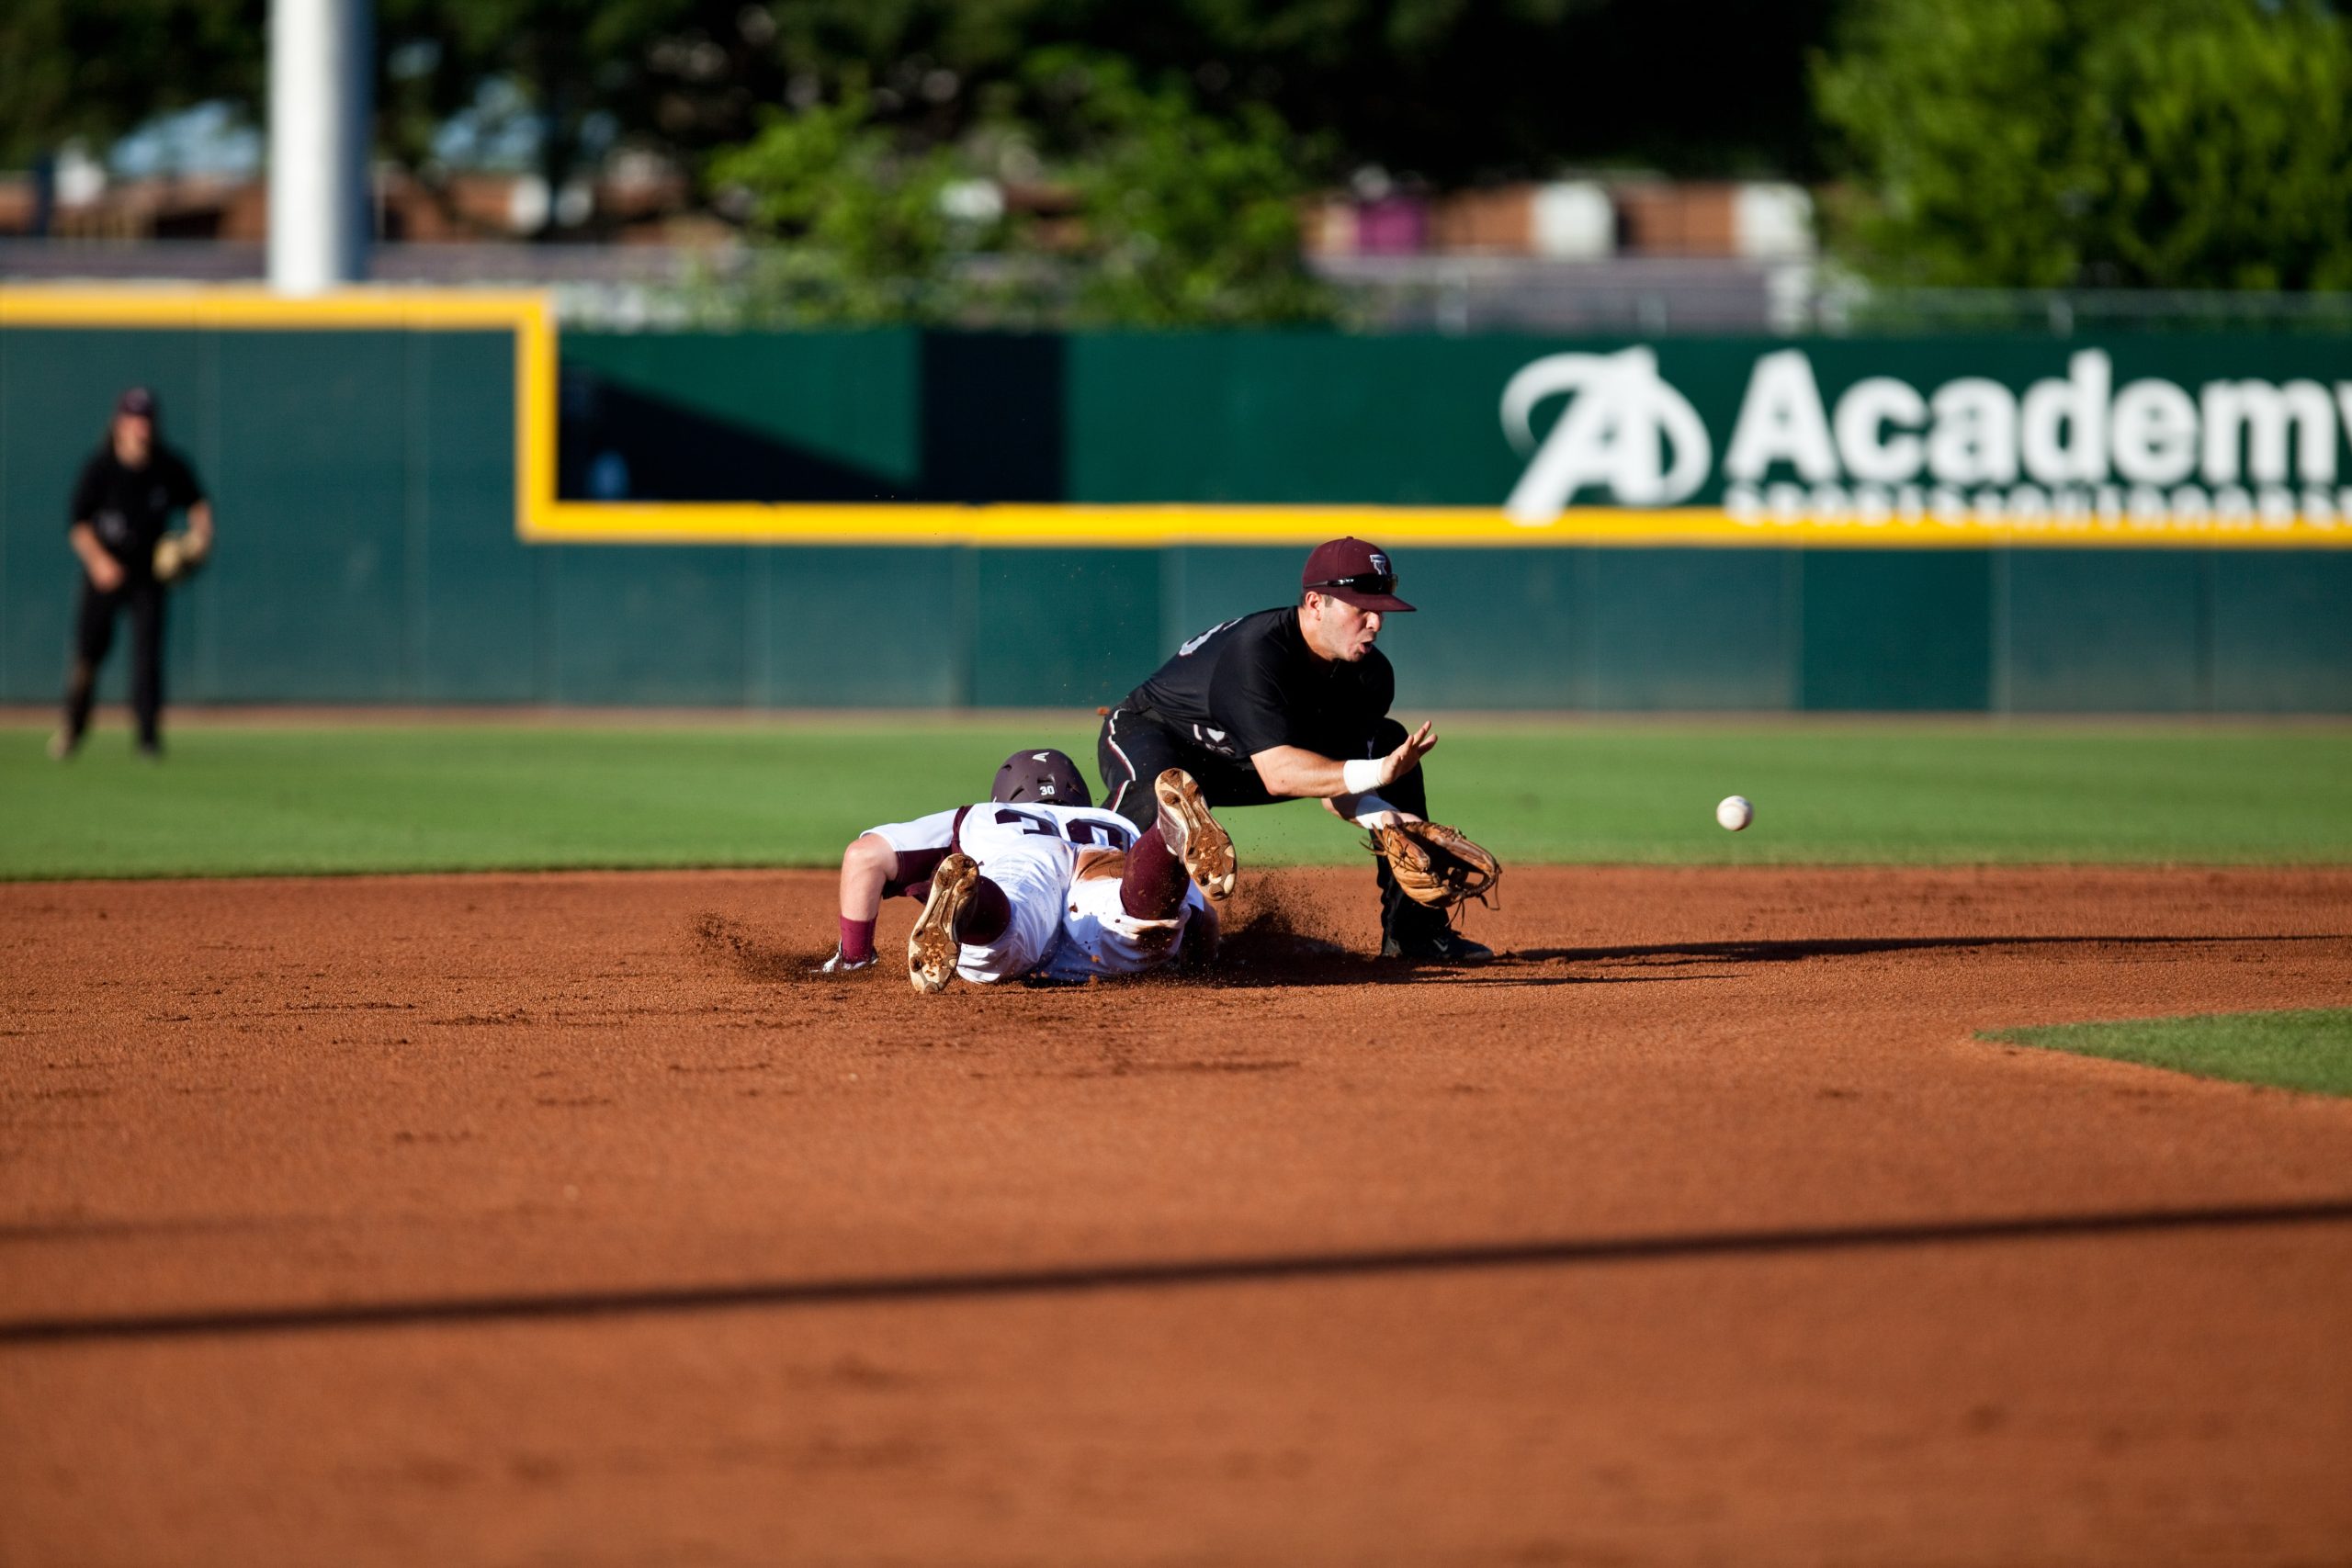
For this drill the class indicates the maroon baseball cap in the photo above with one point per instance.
(1349, 569)
(138, 402)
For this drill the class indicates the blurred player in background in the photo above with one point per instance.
(122, 504)
(1035, 884)
(1293, 704)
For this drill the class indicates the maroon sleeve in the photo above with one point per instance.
(913, 880)
(915, 866)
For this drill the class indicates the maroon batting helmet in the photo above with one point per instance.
(1041, 776)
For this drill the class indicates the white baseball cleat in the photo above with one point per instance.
(932, 948)
(1193, 834)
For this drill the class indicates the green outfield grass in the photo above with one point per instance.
(2309, 1051)
(242, 800)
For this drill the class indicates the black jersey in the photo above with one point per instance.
(128, 508)
(1252, 684)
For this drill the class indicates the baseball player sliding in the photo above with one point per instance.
(1291, 704)
(1035, 884)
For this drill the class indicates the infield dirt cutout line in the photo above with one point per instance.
(1166, 1274)
(1916, 1296)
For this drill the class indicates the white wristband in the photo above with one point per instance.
(1370, 811)
(1361, 775)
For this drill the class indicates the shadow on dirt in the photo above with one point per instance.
(1158, 1274)
(1848, 947)
(1278, 933)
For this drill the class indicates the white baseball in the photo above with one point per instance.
(1733, 812)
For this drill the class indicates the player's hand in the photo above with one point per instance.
(106, 573)
(1408, 754)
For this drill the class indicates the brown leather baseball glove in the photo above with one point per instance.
(176, 558)
(1435, 864)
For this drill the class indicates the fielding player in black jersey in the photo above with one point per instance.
(1293, 704)
(126, 496)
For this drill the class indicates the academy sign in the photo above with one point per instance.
(2085, 452)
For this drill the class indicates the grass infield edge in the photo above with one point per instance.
(2299, 1050)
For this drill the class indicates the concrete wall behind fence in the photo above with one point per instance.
(365, 481)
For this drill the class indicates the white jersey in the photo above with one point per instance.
(1065, 927)
(990, 830)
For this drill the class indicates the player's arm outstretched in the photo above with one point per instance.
(1348, 789)
(898, 857)
(868, 867)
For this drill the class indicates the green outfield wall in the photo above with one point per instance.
(366, 481)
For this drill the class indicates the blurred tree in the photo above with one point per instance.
(863, 208)
(1184, 217)
(682, 76)
(1129, 206)
(1451, 90)
(2046, 144)
(93, 69)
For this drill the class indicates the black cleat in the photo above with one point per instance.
(1441, 946)
(1421, 935)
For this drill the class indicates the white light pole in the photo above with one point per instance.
(321, 59)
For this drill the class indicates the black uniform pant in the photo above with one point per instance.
(1135, 748)
(143, 599)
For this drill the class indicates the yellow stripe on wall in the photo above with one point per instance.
(528, 314)
(252, 309)
(1023, 524)
(541, 517)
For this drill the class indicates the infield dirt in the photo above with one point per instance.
(561, 1219)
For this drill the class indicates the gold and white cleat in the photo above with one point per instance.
(932, 948)
(1193, 834)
